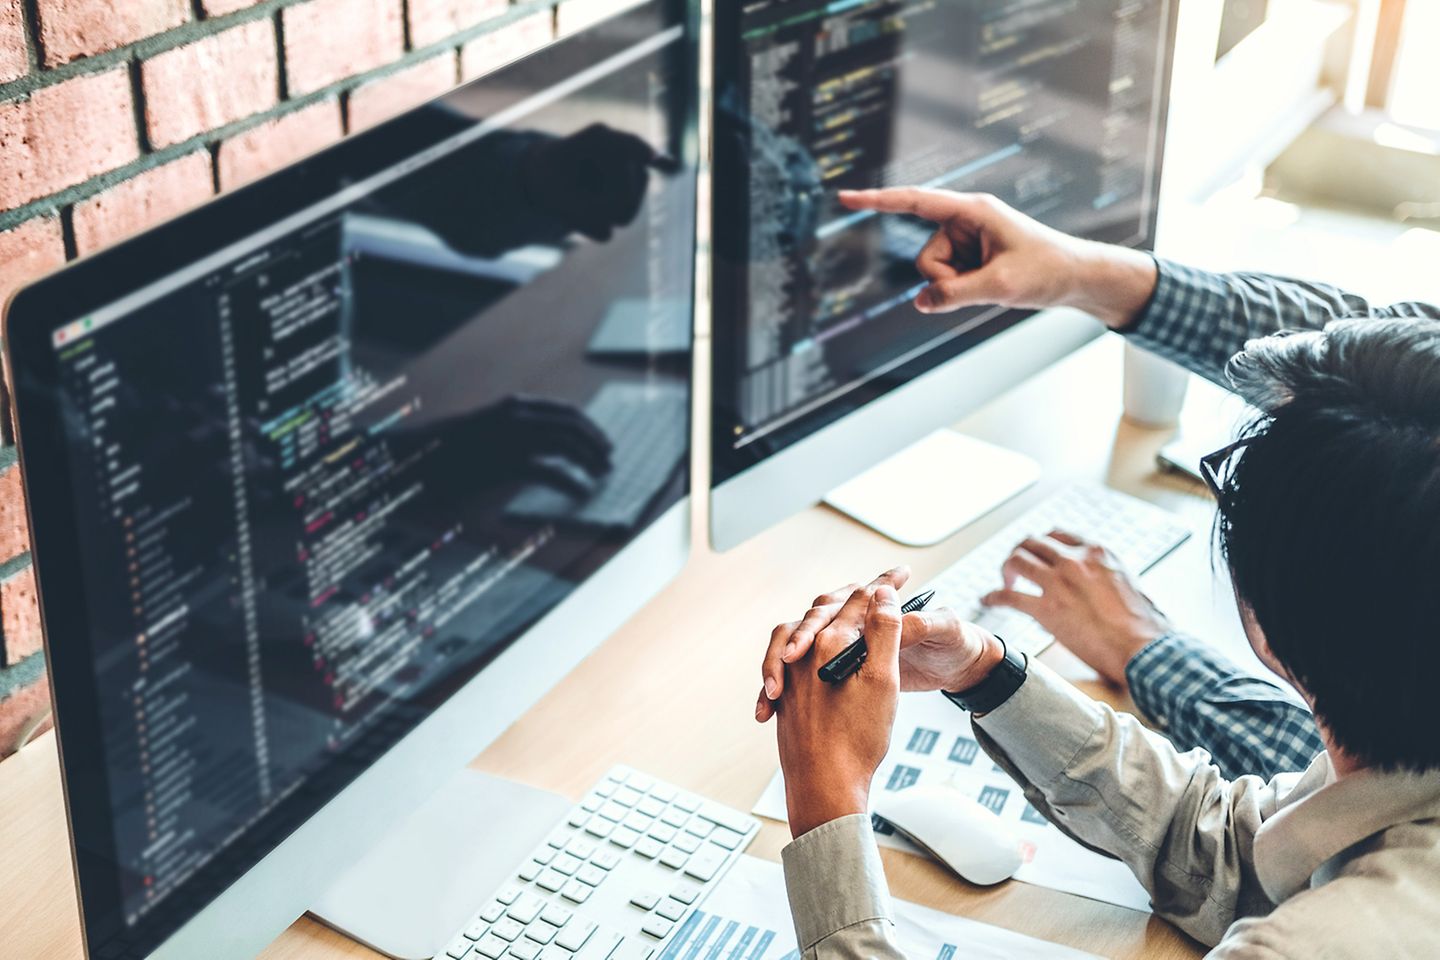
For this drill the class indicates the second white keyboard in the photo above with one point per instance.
(1138, 533)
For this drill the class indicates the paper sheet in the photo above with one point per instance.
(747, 917)
(933, 743)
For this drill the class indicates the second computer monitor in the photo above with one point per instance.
(822, 365)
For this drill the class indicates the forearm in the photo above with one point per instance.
(1104, 779)
(1199, 698)
(839, 901)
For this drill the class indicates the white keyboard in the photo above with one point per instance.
(613, 880)
(1138, 533)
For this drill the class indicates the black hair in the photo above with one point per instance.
(1330, 524)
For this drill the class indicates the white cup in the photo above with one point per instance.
(1154, 388)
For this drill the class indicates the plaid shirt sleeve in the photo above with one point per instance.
(1198, 698)
(1200, 319)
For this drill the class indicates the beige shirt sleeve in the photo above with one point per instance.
(1102, 777)
(838, 897)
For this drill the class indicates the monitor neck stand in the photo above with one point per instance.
(426, 877)
(933, 487)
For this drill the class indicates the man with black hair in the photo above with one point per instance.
(1330, 525)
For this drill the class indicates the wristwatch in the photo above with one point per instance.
(996, 688)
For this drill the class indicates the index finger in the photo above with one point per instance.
(934, 205)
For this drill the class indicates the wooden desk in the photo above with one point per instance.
(634, 701)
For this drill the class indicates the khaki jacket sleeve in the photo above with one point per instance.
(1102, 777)
(838, 896)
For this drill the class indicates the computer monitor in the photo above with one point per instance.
(822, 365)
(332, 478)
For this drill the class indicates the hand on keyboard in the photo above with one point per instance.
(1087, 600)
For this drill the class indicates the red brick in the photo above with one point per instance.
(379, 100)
(14, 531)
(142, 201)
(27, 251)
(211, 82)
(65, 134)
(14, 62)
(433, 20)
(71, 29)
(573, 15)
(21, 709)
(20, 616)
(218, 8)
(493, 50)
(329, 40)
(278, 142)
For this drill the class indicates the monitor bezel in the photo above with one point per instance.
(297, 871)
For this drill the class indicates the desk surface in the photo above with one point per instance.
(624, 704)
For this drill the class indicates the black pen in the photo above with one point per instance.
(847, 661)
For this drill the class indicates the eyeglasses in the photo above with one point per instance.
(1212, 466)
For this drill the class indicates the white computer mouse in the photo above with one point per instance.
(955, 829)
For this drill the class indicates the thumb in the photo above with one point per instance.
(923, 625)
(882, 626)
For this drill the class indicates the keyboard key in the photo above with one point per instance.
(558, 838)
(578, 819)
(687, 802)
(657, 928)
(600, 947)
(618, 775)
(494, 912)
(580, 847)
(525, 950)
(541, 932)
(641, 782)
(686, 892)
(599, 827)
(476, 930)
(590, 875)
(728, 839)
(699, 826)
(491, 946)
(675, 817)
(649, 847)
(639, 822)
(662, 833)
(728, 819)
(566, 864)
(606, 859)
(553, 952)
(624, 837)
(526, 909)
(662, 792)
(508, 930)
(576, 892)
(674, 858)
(508, 895)
(632, 949)
(552, 880)
(684, 842)
(592, 803)
(645, 901)
(544, 855)
(671, 909)
(705, 864)
(651, 807)
(607, 788)
(573, 937)
(530, 871)
(613, 812)
(628, 796)
(459, 949)
(555, 915)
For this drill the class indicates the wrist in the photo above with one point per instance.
(992, 651)
(809, 807)
(1111, 283)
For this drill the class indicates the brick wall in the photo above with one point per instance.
(117, 115)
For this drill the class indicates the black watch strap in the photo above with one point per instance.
(998, 687)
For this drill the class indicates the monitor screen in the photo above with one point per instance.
(331, 445)
(1055, 106)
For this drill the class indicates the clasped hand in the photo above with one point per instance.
(832, 737)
